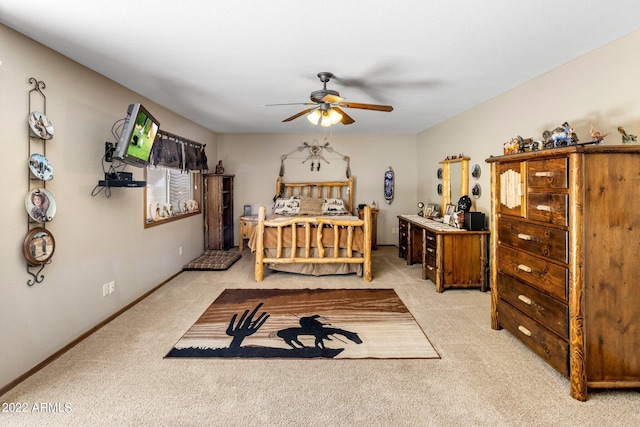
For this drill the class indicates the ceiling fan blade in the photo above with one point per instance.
(375, 107)
(332, 99)
(295, 116)
(291, 103)
(346, 119)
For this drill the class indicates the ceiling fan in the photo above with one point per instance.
(327, 103)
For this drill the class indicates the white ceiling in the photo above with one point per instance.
(219, 63)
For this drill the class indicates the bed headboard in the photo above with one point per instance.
(337, 189)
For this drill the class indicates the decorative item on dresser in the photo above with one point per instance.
(564, 260)
(218, 211)
(450, 257)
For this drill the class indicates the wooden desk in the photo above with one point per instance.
(247, 224)
(451, 258)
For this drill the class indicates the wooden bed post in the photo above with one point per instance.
(259, 270)
(366, 267)
(351, 207)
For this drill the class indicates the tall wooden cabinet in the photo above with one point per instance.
(218, 211)
(564, 260)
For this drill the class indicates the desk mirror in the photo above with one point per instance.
(455, 179)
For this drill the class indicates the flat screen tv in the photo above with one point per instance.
(137, 137)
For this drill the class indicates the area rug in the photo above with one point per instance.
(213, 259)
(306, 323)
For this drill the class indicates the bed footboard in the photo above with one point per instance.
(333, 239)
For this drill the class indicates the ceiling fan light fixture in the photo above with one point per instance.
(334, 116)
(324, 118)
(314, 117)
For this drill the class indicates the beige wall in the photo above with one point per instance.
(97, 239)
(601, 89)
(255, 160)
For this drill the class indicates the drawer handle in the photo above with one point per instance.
(524, 330)
(525, 299)
(525, 268)
(524, 236)
(430, 238)
(544, 174)
(544, 208)
(430, 267)
(430, 250)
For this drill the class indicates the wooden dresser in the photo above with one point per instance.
(218, 211)
(564, 260)
(451, 258)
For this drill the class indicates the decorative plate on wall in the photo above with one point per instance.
(40, 125)
(40, 205)
(439, 189)
(475, 171)
(388, 185)
(476, 191)
(40, 167)
(38, 246)
(439, 174)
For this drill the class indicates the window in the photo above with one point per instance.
(171, 194)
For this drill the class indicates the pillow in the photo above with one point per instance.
(286, 206)
(311, 206)
(334, 207)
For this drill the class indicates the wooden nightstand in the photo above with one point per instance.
(247, 224)
(374, 226)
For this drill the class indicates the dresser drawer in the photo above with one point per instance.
(430, 239)
(549, 174)
(546, 310)
(429, 270)
(554, 350)
(539, 273)
(536, 239)
(548, 207)
(430, 251)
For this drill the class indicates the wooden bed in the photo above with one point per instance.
(308, 244)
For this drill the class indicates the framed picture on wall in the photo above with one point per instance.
(247, 210)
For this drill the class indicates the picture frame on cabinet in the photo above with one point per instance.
(449, 210)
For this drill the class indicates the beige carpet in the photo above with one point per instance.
(118, 377)
(306, 323)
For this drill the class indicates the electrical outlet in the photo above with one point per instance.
(112, 286)
(394, 230)
(105, 289)
(180, 251)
